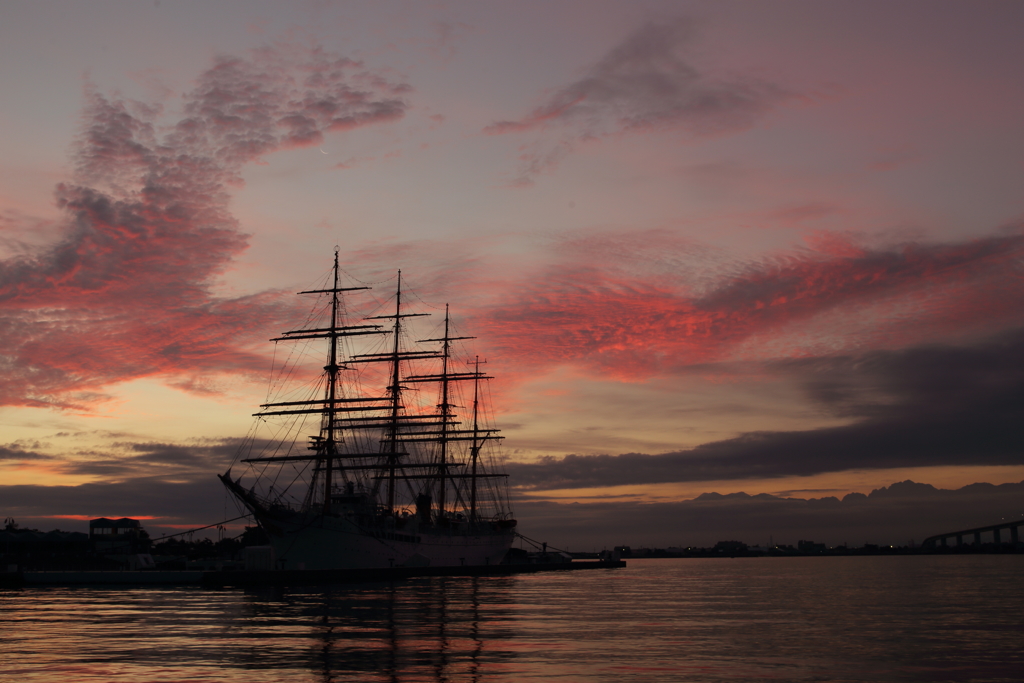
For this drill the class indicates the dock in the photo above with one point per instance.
(280, 577)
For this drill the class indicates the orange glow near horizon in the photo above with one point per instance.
(817, 486)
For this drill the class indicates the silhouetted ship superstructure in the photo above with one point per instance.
(370, 467)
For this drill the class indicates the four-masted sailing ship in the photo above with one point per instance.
(387, 459)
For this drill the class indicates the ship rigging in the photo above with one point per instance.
(389, 477)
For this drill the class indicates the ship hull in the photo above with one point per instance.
(327, 542)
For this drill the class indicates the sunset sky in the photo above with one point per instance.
(770, 247)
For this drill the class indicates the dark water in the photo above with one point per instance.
(797, 619)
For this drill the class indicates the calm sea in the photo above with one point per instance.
(784, 619)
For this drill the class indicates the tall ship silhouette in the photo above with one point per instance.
(384, 457)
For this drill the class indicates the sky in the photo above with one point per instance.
(770, 248)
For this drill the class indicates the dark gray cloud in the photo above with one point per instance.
(174, 483)
(895, 515)
(157, 461)
(646, 82)
(198, 503)
(925, 406)
(17, 453)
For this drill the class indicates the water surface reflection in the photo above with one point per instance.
(424, 630)
(796, 619)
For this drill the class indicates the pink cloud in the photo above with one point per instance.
(647, 82)
(125, 292)
(634, 325)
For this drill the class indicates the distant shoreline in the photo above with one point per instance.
(838, 551)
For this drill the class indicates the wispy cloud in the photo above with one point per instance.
(647, 82)
(601, 312)
(126, 290)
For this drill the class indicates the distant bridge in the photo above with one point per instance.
(942, 540)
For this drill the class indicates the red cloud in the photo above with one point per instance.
(126, 292)
(632, 327)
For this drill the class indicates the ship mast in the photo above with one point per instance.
(395, 420)
(324, 446)
(474, 449)
(446, 411)
(330, 449)
(447, 433)
(396, 397)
